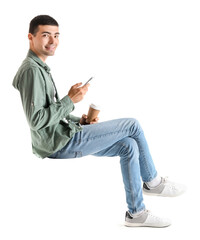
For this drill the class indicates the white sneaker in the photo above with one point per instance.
(165, 189)
(146, 219)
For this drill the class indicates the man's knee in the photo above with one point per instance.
(129, 147)
(135, 126)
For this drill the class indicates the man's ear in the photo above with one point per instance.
(30, 36)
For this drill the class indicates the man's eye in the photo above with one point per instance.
(56, 36)
(45, 35)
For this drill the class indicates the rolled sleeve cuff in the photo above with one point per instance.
(68, 104)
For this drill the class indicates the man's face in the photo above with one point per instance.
(45, 41)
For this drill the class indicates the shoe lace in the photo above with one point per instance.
(151, 214)
(165, 180)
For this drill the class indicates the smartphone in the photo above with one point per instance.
(88, 81)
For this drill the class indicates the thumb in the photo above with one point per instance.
(76, 85)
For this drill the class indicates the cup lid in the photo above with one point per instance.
(96, 107)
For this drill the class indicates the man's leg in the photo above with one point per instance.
(128, 151)
(121, 137)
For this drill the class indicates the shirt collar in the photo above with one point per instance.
(32, 55)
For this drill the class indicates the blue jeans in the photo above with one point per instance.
(123, 138)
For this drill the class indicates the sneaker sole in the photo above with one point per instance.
(128, 224)
(160, 194)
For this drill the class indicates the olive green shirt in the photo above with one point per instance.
(49, 118)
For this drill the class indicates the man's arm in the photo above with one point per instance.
(33, 95)
(73, 118)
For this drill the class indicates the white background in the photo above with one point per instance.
(145, 58)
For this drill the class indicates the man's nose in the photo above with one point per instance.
(51, 39)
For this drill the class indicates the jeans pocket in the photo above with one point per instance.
(65, 154)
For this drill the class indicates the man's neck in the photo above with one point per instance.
(42, 57)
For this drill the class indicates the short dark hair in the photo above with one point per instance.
(41, 20)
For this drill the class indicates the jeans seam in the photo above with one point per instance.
(132, 194)
(129, 174)
(143, 160)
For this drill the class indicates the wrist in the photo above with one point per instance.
(70, 98)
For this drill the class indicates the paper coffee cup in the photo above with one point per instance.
(92, 113)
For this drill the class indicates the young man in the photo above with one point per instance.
(58, 134)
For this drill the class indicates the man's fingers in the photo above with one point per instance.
(76, 93)
(77, 85)
(95, 121)
(84, 116)
(86, 86)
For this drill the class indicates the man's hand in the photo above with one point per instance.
(76, 93)
(83, 120)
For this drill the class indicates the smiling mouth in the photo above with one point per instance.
(50, 47)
